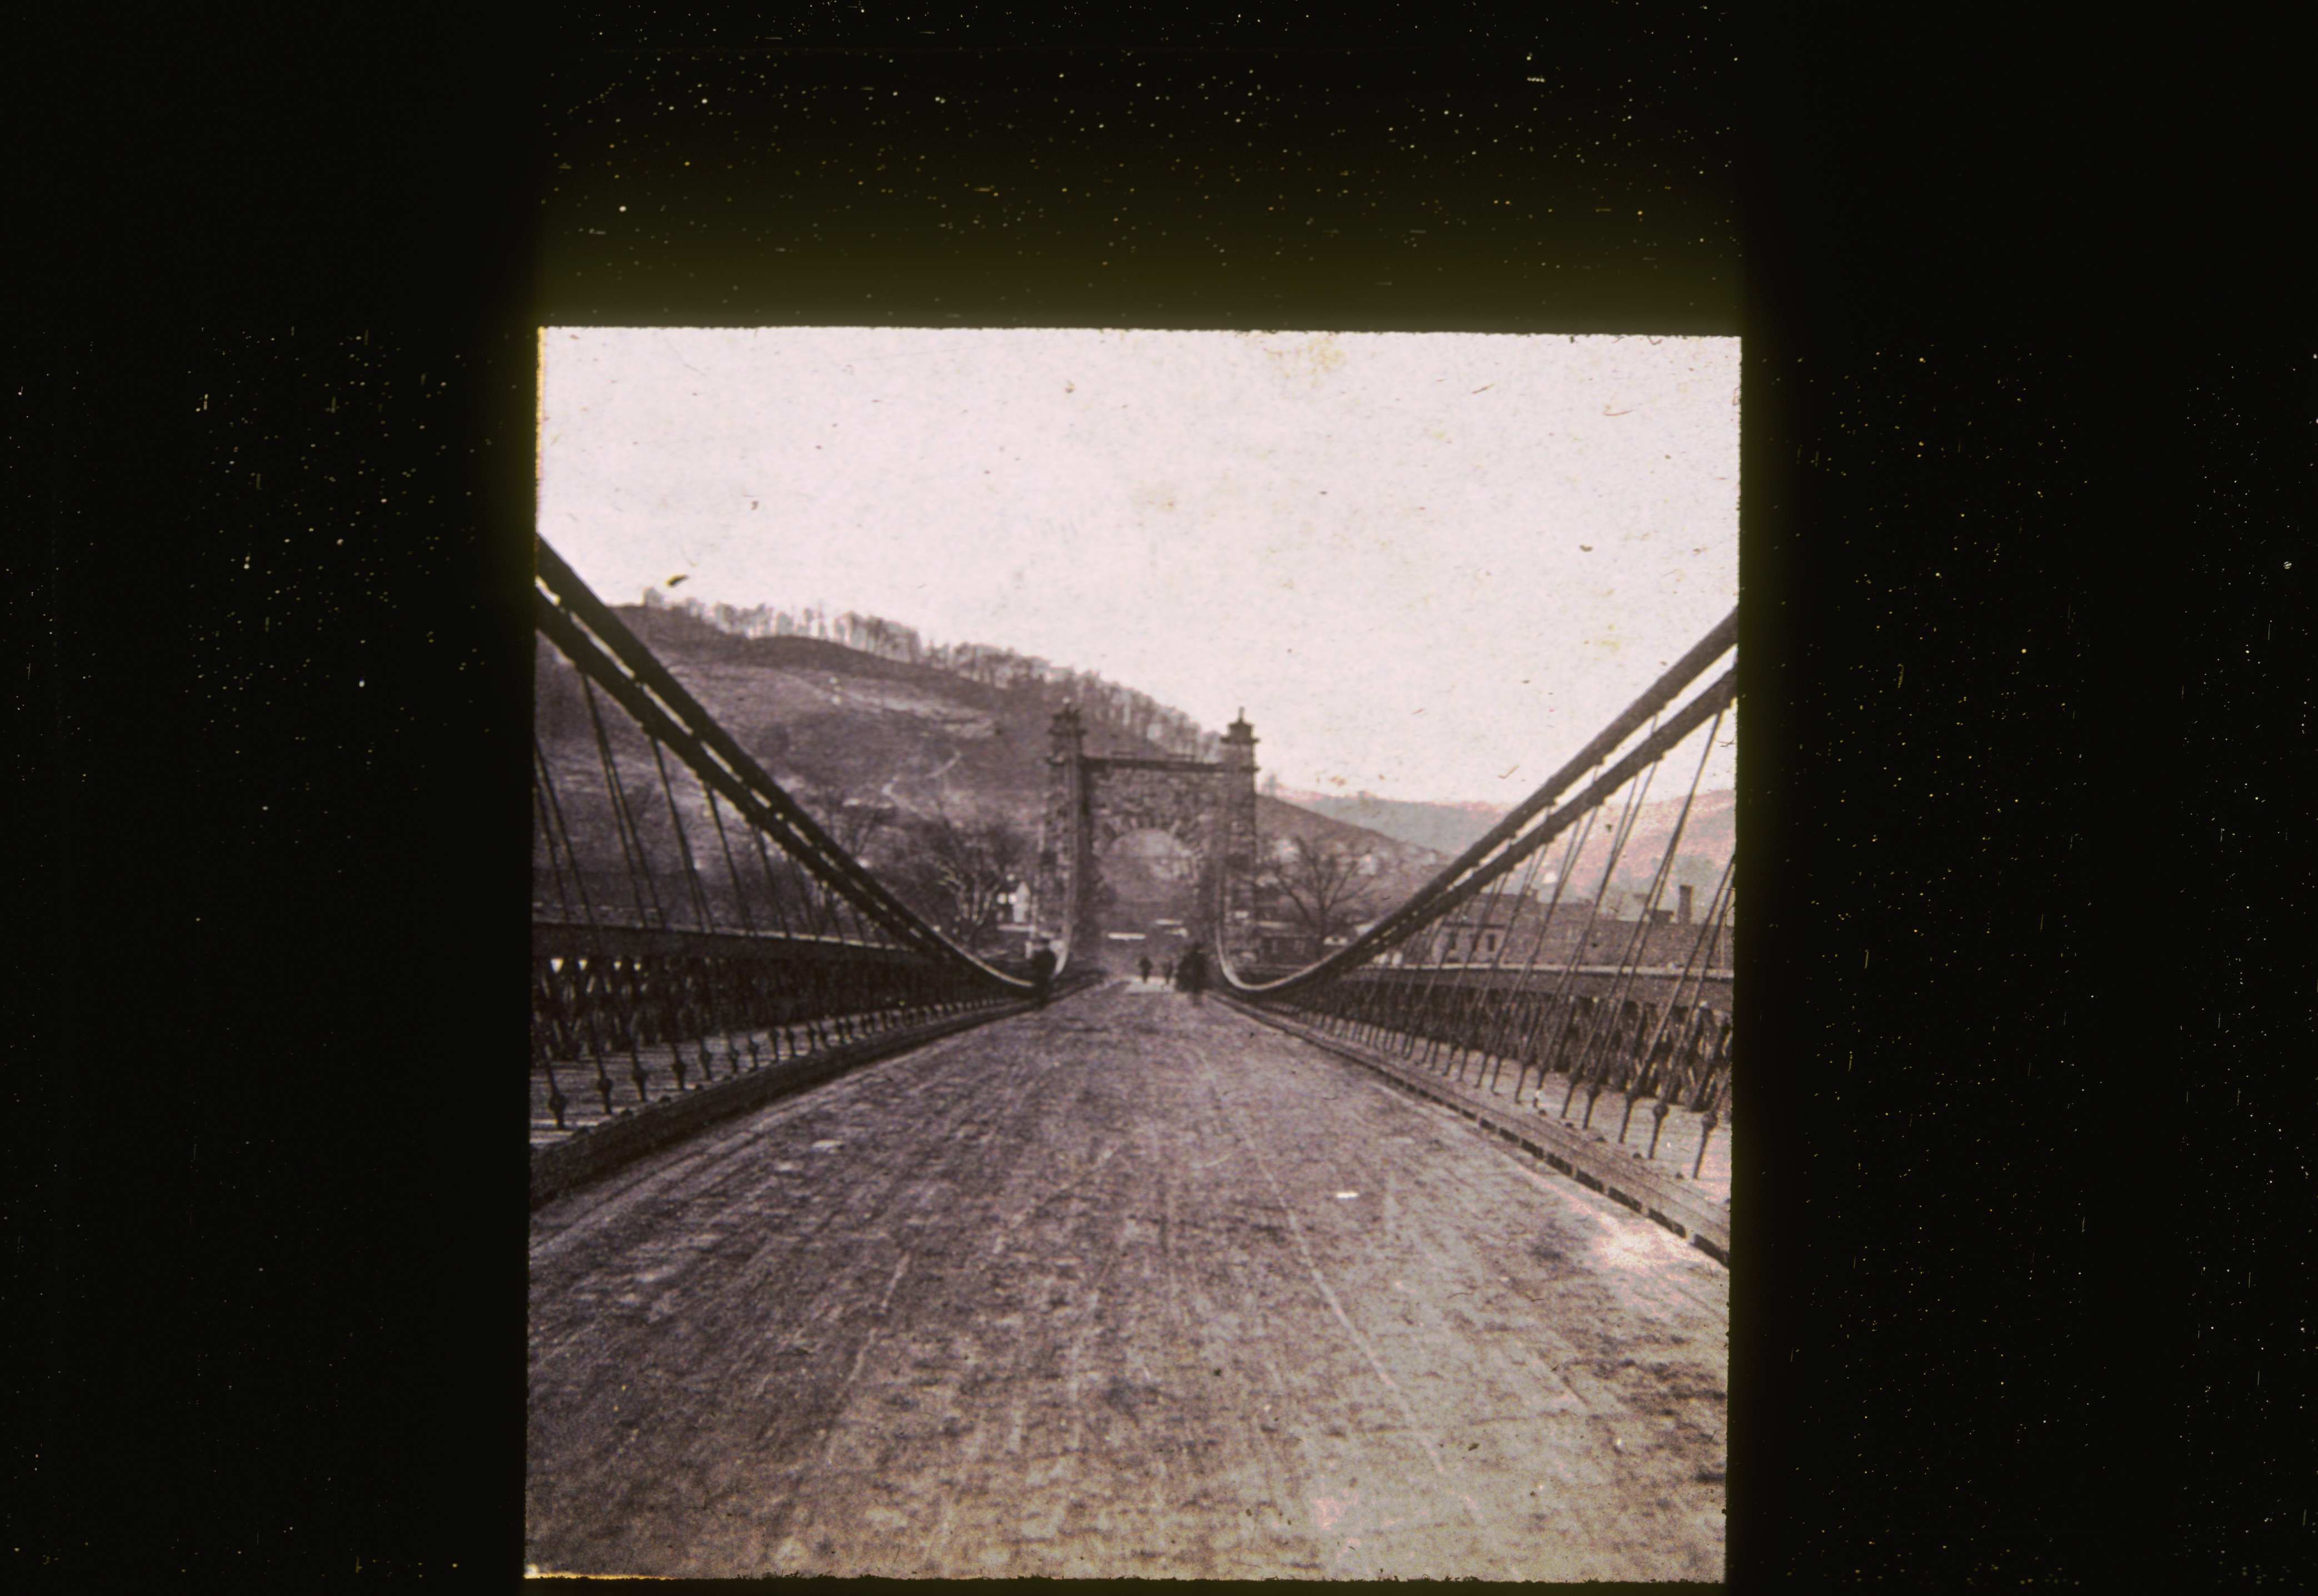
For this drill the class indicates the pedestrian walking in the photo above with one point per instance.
(1192, 972)
(1042, 974)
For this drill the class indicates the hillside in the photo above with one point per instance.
(831, 721)
(1707, 840)
(1447, 828)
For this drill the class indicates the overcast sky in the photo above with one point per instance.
(1430, 566)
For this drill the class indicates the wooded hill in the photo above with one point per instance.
(1102, 703)
(847, 731)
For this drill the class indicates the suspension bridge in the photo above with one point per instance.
(856, 1252)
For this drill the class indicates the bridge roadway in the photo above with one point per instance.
(1126, 1288)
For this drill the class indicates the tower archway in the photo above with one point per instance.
(1098, 803)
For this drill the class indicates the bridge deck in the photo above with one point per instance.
(1124, 1287)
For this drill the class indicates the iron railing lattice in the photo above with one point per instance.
(674, 944)
(1519, 995)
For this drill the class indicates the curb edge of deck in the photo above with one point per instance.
(1660, 1201)
(614, 1143)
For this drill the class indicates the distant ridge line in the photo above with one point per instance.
(1494, 812)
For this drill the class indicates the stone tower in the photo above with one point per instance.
(1236, 893)
(1093, 801)
(1065, 840)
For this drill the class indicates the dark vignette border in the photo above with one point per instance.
(269, 742)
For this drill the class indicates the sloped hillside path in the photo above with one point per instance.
(1126, 1288)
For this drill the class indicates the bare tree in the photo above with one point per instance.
(957, 874)
(854, 824)
(1318, 886)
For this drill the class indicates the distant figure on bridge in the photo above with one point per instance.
(1042, 974)
(1192, 974)
(1167, 972)
(1143, 967)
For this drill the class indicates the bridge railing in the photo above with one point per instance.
(1532, 1016)
(690, 919)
